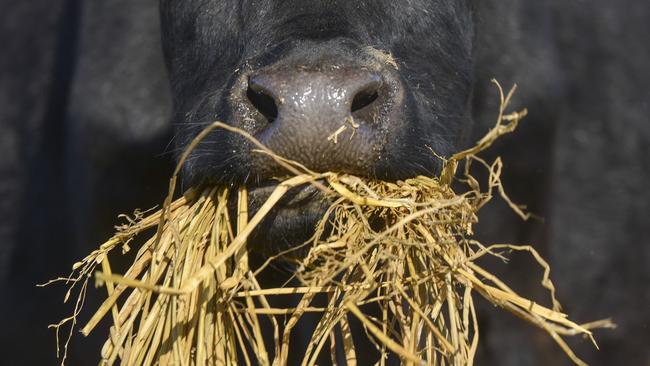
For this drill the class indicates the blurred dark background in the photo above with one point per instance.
(84, 136)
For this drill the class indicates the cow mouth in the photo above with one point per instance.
(295, 198)
(289, 223)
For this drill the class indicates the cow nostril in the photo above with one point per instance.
(263, 102)
(364, 98)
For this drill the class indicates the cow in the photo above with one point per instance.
(98, 98)
(291, 74)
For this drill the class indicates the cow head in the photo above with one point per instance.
(371, 88)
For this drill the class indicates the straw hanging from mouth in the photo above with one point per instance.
(402, 248)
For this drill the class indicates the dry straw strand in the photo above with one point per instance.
(191, 297)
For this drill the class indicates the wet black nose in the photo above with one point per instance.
(326, 119)
(298, 97)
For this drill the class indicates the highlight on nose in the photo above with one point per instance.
(264, 100)
(329, 118)
(299, 97)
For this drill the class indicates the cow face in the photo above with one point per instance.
(365, 87)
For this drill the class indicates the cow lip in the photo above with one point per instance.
(289, 223)
(294, 198)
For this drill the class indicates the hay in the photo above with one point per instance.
(190, 297)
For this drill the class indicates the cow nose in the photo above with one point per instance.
(325, 119)
(310, 96)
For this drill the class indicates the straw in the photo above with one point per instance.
(192, 298)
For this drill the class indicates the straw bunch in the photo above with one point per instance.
(406, 248)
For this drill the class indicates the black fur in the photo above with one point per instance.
(86, 120)
(210, 45)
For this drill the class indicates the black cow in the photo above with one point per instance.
(293, 72)
(87, 115)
